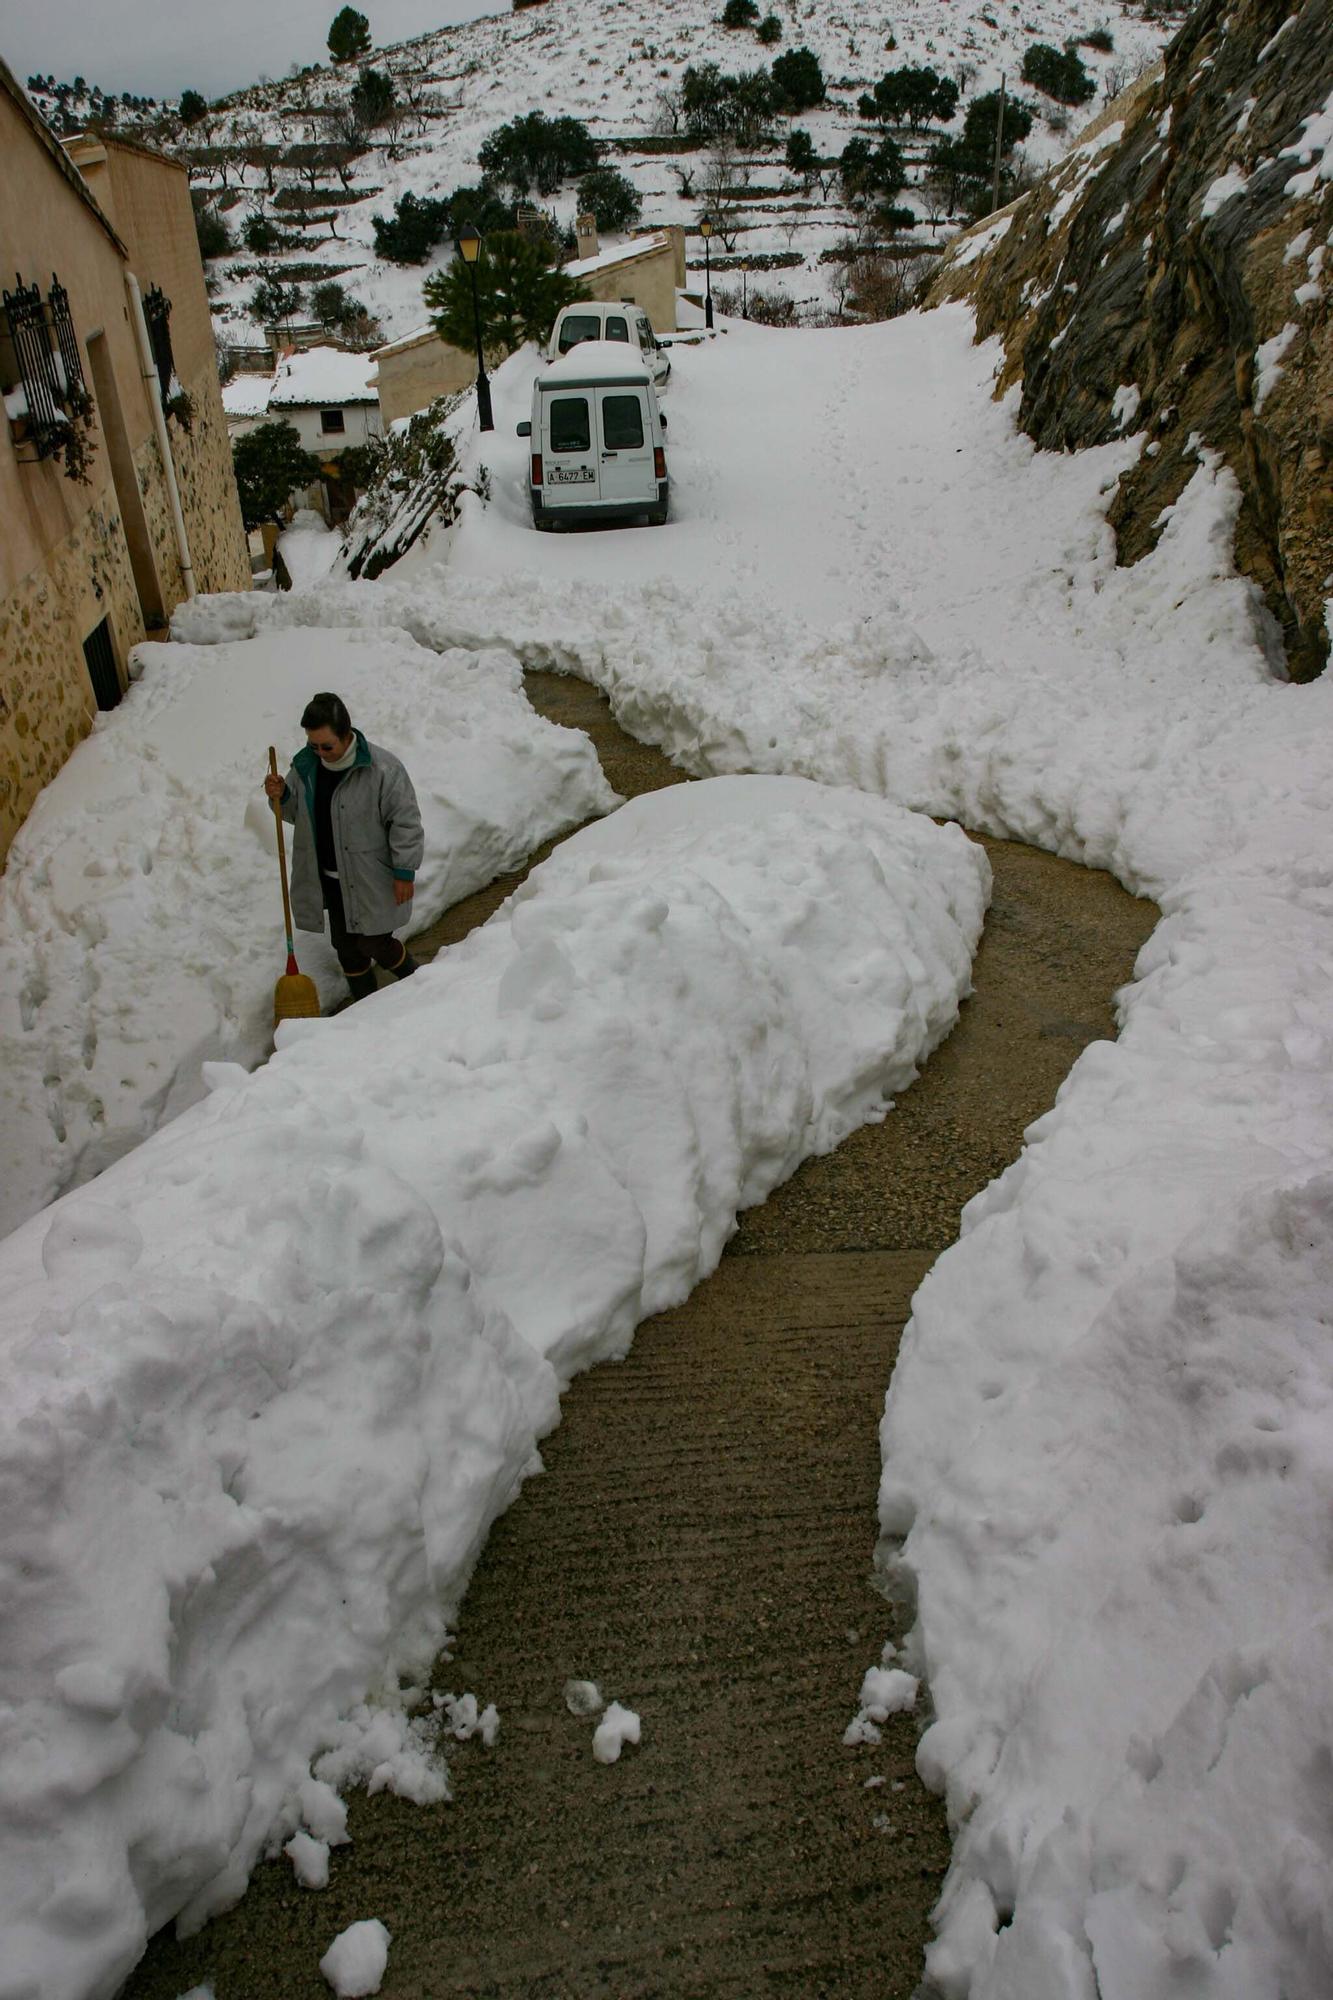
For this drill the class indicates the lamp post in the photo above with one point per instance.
(706, 231)
(469, 249)
(745, 289)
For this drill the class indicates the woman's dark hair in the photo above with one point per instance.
(327, 711)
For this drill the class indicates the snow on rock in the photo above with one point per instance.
(356, 1961)
(617, 1727)
(140, 916)
(294, 1357)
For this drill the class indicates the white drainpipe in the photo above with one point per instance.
(153, 389)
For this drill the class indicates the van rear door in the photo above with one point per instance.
(569, 448)
(626, 471)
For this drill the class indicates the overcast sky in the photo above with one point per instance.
(208, 45)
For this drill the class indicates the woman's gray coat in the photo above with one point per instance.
(377, 840)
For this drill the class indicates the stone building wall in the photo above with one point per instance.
(46, 697)
(209, 500)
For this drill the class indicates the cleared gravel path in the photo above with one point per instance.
(702, 1545)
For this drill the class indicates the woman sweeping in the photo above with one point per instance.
(358, 843)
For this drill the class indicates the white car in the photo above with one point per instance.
(609, 319)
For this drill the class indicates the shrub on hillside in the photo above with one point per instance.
(420, 222)
(272, 301)
(769, 30)
(372, 98)
(215, 239)
(871, 173)
(799, 79)
(914, 96)
(260, 234)
(739, 14)
(538, 154)
(1058, 73)
(610, 198)
(192, 107)
(1099, 39)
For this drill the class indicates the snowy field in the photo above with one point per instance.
(270, 1382)
(140, 913)
(1108, 1447)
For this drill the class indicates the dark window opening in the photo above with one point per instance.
(332, 420)
(577, 327)
(157, 317)
(570, 428)
(622, 423)
(100, 655)
(617, 329)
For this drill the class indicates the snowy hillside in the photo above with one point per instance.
(613, 66)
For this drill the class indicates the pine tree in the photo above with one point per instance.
(349, 36)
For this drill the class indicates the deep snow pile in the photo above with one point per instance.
(140, 914)
(1109, 1445)
(268, 1384)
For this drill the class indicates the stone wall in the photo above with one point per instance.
(209, 500)
(46, 697)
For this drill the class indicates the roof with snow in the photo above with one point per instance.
(322, 376)
(246, 395)
(622, 253)
(596, 361)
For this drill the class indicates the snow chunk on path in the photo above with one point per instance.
(355, 1962)
(262, 1410)
(617, 1727)
(140, 918)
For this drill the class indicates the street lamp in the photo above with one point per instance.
(469, 249)
(706, 230)
(745, 289)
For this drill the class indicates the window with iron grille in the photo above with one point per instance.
(46, 398)
(157, 314)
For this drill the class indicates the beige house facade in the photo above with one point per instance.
(647, 271)
(116, 487)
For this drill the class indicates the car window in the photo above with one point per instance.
(578, 326)
(622, 423)
(569, 427)
(617, 328)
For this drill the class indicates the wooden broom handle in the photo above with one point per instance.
(282, 850)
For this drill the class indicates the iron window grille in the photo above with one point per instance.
(47, 365)
(157, 314)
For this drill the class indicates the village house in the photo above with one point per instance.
(647, 271)
(329, 397)
(116, 485)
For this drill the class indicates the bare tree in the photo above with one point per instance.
(685, 174)
(668, 112)
(723, 179)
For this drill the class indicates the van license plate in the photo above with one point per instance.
(571, 475)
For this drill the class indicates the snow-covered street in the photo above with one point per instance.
(1107, 1446)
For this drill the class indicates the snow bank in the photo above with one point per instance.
(140, 916)
(269, 1383)
(1108, 1441)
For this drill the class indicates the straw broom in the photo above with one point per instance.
(295, 997)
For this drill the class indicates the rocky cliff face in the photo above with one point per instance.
(1175, 277)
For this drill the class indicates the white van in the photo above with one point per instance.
(609, 319)
(598, 444)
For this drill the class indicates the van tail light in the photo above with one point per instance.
(536, 468)
(659, 462)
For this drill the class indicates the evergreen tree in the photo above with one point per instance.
(270, 464)
(518, 293)
(349, 36)
(372, 97)
(739, 13)
(192, 107)
(913, 96)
